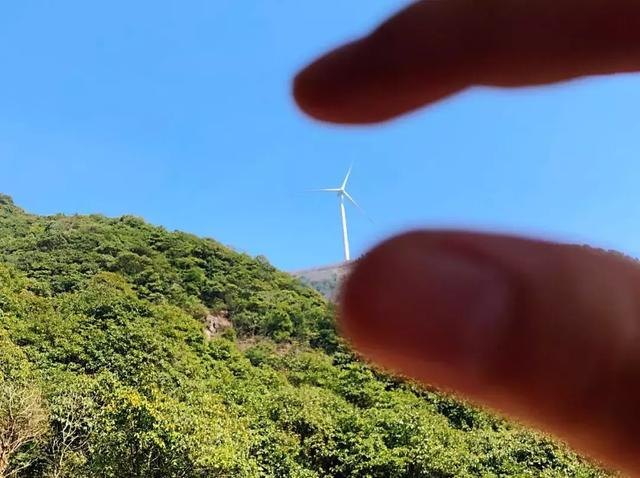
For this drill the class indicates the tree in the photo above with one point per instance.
(23, 421)
(74, 409)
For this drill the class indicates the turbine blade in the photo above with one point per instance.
(333, 190)
(353, 201)
(346, 178)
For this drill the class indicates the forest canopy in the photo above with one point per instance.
(127, 350)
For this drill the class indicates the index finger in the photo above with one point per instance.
(435, 48)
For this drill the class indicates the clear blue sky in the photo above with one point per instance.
(180, 112)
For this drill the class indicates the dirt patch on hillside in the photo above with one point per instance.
(215, 324)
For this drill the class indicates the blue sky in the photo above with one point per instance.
(180, 112)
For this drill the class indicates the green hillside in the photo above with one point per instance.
(115, 361)
(326, 280)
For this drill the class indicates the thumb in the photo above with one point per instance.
(544, 332)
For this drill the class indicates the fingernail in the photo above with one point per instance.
(431, 303)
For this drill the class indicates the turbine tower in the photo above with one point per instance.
(342, 195)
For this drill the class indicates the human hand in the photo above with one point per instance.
(544, 332)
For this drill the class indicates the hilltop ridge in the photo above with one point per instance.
(325, 279)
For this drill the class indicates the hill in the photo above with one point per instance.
(127, 350)
(325, 280)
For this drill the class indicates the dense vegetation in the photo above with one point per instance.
(106, 370)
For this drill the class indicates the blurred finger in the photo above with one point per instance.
(435, 48)
(544, 332)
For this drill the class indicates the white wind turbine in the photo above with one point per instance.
(342, 195)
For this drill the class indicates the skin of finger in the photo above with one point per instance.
(388, 72)
(564, 357)
(435, 48)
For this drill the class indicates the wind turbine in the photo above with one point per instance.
(342, 195)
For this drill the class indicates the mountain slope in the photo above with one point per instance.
(325, 280)
(104, 360)
(62, 253)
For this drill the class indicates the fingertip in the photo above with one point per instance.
(419, 305)
(337, 88)
(416, 58)
(308, 94)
